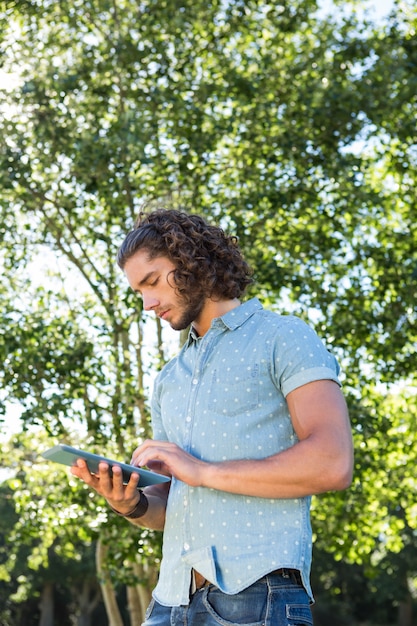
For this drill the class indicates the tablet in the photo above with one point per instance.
(67, 456)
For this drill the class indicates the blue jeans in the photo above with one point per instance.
(271, 601)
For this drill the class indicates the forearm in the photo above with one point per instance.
(302, 470)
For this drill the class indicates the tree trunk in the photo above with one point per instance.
(134, 605)
(405, 612)
(89, 598)
(140, 595)
(46, 605)
(84, 619)
(107, 589)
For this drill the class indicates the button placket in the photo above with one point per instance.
(202, 352)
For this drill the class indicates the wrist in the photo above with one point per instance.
(208, 475)
(138, 510)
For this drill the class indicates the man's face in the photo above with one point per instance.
(153, 280)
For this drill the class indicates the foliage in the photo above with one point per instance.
(294, 130)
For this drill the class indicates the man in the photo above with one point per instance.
(248, 420)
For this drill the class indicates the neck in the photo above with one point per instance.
(211, 310)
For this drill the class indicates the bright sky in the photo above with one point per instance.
(378, 8)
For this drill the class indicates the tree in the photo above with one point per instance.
(44, 560)
(293, 131)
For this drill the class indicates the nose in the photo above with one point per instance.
(149, 302)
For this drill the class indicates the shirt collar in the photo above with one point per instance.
(233, 319)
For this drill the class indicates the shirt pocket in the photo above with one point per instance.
(235, 391)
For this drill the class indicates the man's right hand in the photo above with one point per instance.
(121, 497)
(124, 498)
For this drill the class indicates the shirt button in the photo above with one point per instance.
(186, 546)
(195, 381)
(188, 418)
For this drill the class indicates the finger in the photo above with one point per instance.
(113, 483)
(148, 443)
(145, 457)
(156, 466)
(80, 469)
(118, 477)
(111, 480)
(151, 451)
(132, 485)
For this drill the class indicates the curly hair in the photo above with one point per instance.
(208, 262)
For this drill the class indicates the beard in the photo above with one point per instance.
(192, 309)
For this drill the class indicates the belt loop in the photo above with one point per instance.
(291, 574)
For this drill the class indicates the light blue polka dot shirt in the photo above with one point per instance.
(223, 398)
